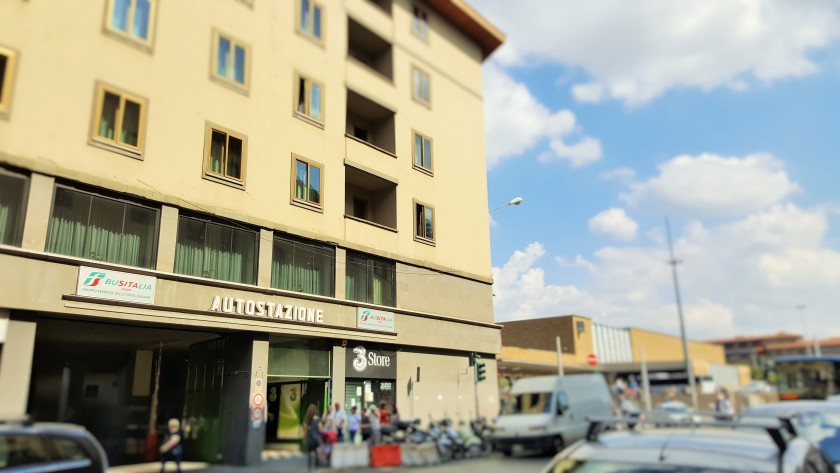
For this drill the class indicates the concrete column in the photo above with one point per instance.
(38, 206)
(340, 273)
(243, 412)
(264, 263)
(338, 374)
(167, 239)
(16, 366)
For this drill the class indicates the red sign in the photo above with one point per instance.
(258, 399)
(592, 360)
(257, 414)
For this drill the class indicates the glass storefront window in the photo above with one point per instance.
(303, 267)
(12, 194)
(371, 280)
(91, 226)
(216, 251)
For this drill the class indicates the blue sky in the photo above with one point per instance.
(723, 115)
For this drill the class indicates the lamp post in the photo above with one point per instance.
(514, 201)
(689, 370)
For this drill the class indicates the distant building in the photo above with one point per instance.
(753, 350)
(827, 346)
(529, 348)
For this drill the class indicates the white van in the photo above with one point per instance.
(550, 412)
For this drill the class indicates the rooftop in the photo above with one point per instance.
(756, 338)
(470, 22)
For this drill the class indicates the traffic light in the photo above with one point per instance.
(472, 359)
(480, 370)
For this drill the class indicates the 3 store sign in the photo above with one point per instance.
(371, 363)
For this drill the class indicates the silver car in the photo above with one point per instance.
(27, 447)
(815, 421)
(689, 447)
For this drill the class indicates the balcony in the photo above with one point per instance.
(371, 123)
(375, 14)
(366, 47)
(370, 198)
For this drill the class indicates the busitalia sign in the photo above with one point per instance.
(115, 285)
(375, 319)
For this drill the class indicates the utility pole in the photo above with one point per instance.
(689, 370)
(559, 358)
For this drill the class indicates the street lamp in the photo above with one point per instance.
(514, 201)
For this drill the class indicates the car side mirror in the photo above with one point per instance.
(562, 405)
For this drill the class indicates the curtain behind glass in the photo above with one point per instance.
(130, 130)
(218, 143)
(108, 118)
(215, 251)
(302, 268)
(356, 279)
(11, 200)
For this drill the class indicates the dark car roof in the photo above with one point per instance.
(701, 447)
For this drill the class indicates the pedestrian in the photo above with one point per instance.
(722, 405)
(384, 418)
(328, 421)
(171, 448)
(353, 422)
(340, 420)
(373, 419)
(395, 416)
(312, 424)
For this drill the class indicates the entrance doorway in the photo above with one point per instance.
(103, 376)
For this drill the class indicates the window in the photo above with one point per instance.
(303, 267)
(7, 69)
(216, 251)
(119, 120)
(13, 189)
(420, 86)
(19, 450)
(419, 23)
(68, 449)
(231, 61)
(132, 19)
(309, 99)
(224, 154)
(307, 185)
(371, 280)
(87, 225)
(311, 16)
(359, 208)
(422, 152)
(424, 222)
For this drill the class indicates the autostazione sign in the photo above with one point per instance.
(115, 285)
(374, 319)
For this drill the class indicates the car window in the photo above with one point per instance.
(68, 449)
(531, 403)
(20, 449)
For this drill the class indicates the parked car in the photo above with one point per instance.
(815, 421)
(757, 387)
(27, 447)
(672, 411)
(549, 412)
(707, 447)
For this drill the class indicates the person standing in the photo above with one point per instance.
(375, 426)
(353, 422)
(312, 424)
(340, 419)
(171, 448)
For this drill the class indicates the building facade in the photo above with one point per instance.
(755, 349)
(223, 211)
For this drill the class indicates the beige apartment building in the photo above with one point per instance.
(240, 207)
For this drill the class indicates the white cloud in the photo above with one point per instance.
(516, 122)
(614, 222)
(622, 174)
(710, 184)
(746, 275)
(636, 51)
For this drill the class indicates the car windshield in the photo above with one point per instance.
(821, 429)
(577, 466)
(531, 403)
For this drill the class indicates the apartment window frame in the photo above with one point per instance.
(126, 35)
(115, 144)
(231, 82)
(206, 221)
(420, 23)
(113, 198)
(325, 252)
(223, 177)
(430, 170)
(371, 264)
(306, 114)
(306, 202)
(7, 80)
(308, 31)
(17, 229)
(420, 232)
(418, 72)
